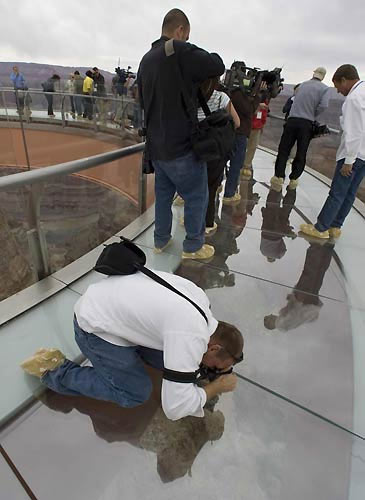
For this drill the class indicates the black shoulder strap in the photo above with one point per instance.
(164, 283)
(181, 377)
(203, 103)
(170, 51)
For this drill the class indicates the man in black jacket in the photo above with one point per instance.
(169, 131)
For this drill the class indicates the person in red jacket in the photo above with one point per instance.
(258, 123)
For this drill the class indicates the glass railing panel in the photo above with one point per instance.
(80, 211)
(18, 265)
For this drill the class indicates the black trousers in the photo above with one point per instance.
(50, 104)
(296, 130)
(88, 106)
(215, 175)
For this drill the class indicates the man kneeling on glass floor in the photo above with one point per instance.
(124, 322)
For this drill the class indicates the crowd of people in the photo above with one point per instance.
(124, 323)
(87, 94)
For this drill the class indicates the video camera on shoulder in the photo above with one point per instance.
(249, 80)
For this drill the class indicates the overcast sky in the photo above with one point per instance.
(297, 34)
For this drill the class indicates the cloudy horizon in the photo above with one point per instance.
(264, 34)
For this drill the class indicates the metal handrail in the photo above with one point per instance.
(63, 94)
(42, 174)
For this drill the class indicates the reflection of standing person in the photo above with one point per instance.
(304, 304)
(87, 90)
(49, 86)
(350, 168)
(276, 225)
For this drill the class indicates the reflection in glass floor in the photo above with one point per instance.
(295, 426)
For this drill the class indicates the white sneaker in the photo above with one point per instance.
(158, 250)
(205, 252)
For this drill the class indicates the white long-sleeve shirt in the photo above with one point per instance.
(135, 310)
(352, 122)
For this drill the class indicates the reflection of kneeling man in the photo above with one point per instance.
(303, 304)
(123, 322)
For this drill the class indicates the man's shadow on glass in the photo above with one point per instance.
(176, 443)
(303, 303)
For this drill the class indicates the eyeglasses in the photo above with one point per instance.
(238, 359)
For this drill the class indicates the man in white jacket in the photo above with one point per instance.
(350, 169)
(124, 322)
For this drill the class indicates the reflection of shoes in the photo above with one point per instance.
(334, 232)
(182, 221)
(178, 201)
(231, 199)
(310, 230)
(246, 173)
(42, 361)
(276, 181)
(210, 230)
(206, 252)
(161, 249)
(52, 116)
(293, 184)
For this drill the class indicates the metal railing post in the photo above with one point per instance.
(142, 189)
(63, 111)
(36, 240)
(5, 105)
(22, 128)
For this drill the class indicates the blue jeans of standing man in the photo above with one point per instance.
(235, 165)
(341, 196)
(117, 374)
(78, 104)
(187, 176)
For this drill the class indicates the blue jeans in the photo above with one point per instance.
(117, 374)
(341, 196)
(78, 104)
(189, 178)
(235, 165)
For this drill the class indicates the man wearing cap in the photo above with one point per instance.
(310, 102)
